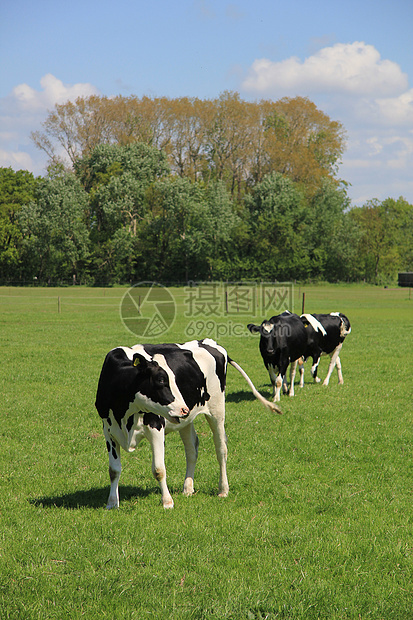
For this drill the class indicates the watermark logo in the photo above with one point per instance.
(148, 309)
(223, 309)
(214, 310)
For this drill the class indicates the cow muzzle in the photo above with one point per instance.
(176, 417)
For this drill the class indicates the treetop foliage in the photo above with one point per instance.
(182, 189)
(225, 138)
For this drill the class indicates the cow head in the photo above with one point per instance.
(154, 391)
(267, 330)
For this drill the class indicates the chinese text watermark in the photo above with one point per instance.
(214, 310)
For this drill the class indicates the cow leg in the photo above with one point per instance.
(277, 381)
(156, 437)
(333, 361)
(273, 379)
(293, 370)
(220, 441)
(277, 388)
(281, 380)
(314, 368)
(115, 469)
(191, 443)
(339, 372)
(301, 369)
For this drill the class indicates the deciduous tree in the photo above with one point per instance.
(55, 235)
(16, 189)
(301, 141)
(386, 237)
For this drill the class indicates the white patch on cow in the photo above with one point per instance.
(267, 326)
(131, 351)
(316, 325)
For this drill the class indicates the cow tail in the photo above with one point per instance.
(272, 406)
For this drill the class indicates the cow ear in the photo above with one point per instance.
(139, 361)
(254, 329)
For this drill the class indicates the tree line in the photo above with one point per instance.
(182, 189)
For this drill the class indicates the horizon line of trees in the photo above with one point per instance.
(183, 189)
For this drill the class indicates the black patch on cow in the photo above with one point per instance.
(129, 423)
(108, 446)
(114, 453)
(219, 362)
(154, 421)
(189, 377)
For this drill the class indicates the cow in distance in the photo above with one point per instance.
(283, 340)
(325, 336)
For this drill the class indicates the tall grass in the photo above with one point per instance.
(319, 519)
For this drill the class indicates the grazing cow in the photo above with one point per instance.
(150, 390)
(325, 336)
(283, 340)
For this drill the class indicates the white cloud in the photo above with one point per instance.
(369, 95)
(352, 69)
(397, 110)
(54, 91)
(23, 111)
(378, 164)
(17, 161)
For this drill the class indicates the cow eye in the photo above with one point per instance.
(161, 381)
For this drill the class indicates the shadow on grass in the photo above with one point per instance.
(97, 498)
(238, 397)
(92, 498)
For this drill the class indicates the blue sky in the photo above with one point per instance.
(354, 59)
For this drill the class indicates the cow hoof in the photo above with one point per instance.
(317, 380)
(111, 506)
(169, 503)
(188, 488)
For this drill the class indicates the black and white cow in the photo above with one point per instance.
(283, 340)
(325, 336)
(150, 390)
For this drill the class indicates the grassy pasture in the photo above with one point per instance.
(319, 519)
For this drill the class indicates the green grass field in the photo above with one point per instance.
(319, 519)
